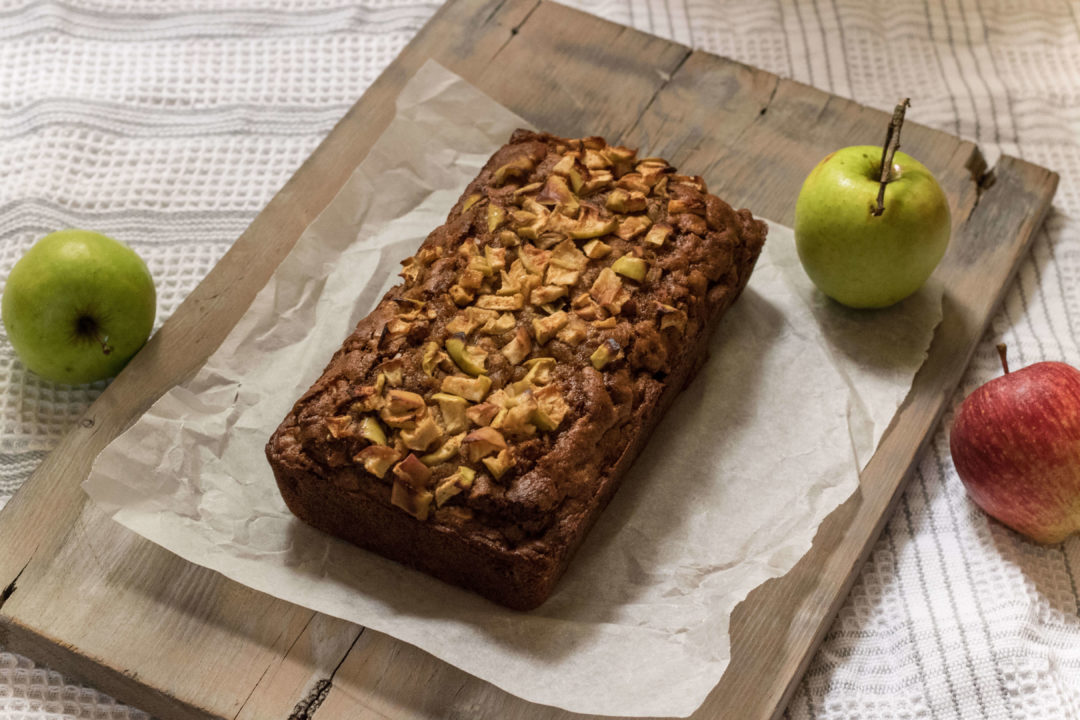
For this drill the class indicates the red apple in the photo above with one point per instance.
(1016, 445)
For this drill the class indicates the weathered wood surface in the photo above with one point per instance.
(89, 598)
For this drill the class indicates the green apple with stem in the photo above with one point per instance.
(871, 223)
(77, 306)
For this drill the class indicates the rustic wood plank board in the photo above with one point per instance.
(89, 598)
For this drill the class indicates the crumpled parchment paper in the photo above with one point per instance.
(729, 492)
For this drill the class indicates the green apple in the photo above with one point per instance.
(860, 258)
(78, 305)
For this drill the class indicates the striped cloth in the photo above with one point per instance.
(169, 125)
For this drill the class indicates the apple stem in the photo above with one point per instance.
(1004, 361)
(106, 348)
(87, 327)
(888, 151)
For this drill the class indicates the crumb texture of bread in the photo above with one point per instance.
(479, 419)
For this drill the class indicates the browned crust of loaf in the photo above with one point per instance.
(518, 572)
(508, 577)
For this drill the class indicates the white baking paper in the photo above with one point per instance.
(728, 493)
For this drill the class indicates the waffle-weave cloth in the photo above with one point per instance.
(170, 124)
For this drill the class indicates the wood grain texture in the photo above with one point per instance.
(93, 600)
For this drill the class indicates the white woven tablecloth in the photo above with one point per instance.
(170, 124)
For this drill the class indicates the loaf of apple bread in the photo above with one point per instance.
(477, 422)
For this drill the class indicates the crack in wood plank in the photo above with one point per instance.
(983, 177)
(262, 676)
(772, 96)
(495, 11)
(277, 661)
(306, 709)
(747, 127)
(760, 118)
(822, 110)
(516, 28)
(660, 88)
(10, 588)
(309, 703)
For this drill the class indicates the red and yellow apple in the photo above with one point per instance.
(1016, 445)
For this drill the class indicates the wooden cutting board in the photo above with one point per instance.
(95, 601)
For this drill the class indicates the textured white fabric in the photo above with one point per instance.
(170, 124)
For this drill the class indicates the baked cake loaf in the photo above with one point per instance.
(477, 422)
